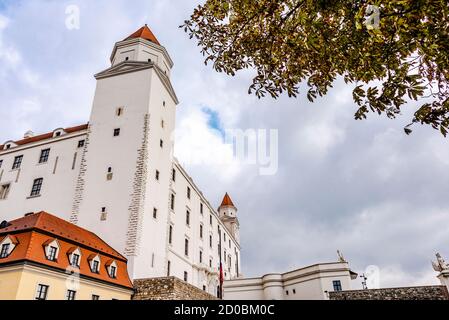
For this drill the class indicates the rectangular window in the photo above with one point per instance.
(44, 156)
(42, 291)
(201, 208)
(5, 250)
(70, 295)
(81, 143)
(112, 271)
(173, 175)
(201, 256)
(17, 162)
(119, 111)
(95, 266)
(337, 285)
(157, 175)
(37, 186)
(95, 297)
(52, 253)
(224, 235)
(154, 213)
(170, 235)
(1, 163)
(201, 231)
(168, 268)
(116, 132)
(4, 190)
(210, 219)
(161, 143)
(188, 217)
(172, 201)
(210, 241)
(210, 263)
(75, 260)
(188, 193)
(186, 276)
(186, 247)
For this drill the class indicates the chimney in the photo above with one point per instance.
(28, 134)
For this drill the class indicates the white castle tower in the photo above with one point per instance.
(128, 152)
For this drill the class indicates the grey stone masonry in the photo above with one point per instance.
(406, 293)
(167, 288)
(136, 206)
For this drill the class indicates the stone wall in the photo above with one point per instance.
(408, 293)
(169, 288)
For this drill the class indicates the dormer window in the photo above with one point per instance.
(7, 245)
(52, 253)
(51, 248)
(94, 262)
(75, 262)
(8, 146)
(111, 267)
(4, 251)
(58, 133)
(74, 255)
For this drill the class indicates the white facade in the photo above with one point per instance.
(119, 183)
(309, 283)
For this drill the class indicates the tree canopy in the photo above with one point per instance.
(390, 51)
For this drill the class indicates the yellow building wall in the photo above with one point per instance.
(21, 284)
(9, 284)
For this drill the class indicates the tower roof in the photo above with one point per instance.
(144, 33)
(227, 201)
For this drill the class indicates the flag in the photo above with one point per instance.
(221, 274)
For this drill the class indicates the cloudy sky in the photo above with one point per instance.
(366, 188)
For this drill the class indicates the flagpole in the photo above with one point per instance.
(221, 267)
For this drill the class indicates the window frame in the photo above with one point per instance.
(17, 163)
(186, 247)
(44, 156)
(42, 292)
(70, 295)
(81, 143)
(4, 251)
(52, 254)
(37, 187)
(4, 190)
(336, 284)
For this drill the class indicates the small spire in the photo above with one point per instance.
(227, 201)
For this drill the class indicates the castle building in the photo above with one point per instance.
(43, 257)
(116, 175)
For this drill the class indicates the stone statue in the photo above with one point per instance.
(440, 265)
(340, 257)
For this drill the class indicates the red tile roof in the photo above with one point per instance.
(46, 136)
(34, 231)
(144, 33)
(227, 201)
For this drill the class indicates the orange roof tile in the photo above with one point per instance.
(46, 136)
(227, 201)
(34, 231)
(144, 33)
